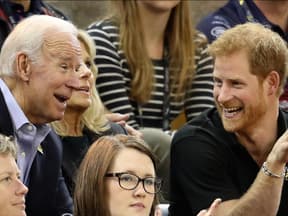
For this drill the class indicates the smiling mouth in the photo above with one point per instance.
(83, 88)
(231, 112)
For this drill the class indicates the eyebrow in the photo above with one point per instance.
(134, 173)
(5, 173)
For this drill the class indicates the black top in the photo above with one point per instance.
(207, 162)
(75, 148)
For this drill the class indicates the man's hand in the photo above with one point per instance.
(279, 153)
(211, 210)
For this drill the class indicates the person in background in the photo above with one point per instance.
(39, 61)
(117, 177)
(270, 13)
(84, 119)
(13, 11)
(237, 152)
(152, 66)
(12, 190)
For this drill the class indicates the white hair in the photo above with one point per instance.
(28, 37)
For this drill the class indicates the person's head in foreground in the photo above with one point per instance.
(117, 177)
(12, 190)
(249, 73)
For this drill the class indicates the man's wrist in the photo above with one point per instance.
(267, 171)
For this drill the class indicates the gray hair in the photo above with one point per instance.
(7, 145)
(28, 37)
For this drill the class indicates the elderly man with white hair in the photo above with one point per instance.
(38, 64)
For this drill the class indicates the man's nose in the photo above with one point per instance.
(224, 94)
(73, 81)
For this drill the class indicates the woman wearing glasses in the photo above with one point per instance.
(117, 177)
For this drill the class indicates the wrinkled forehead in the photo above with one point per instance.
(62, 44)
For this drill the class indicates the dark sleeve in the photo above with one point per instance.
(48, 193)
(63, 199)
(213, 26)
(116, 129)
(63, 202)
(199, 166)
(53, 11)
(4, 31)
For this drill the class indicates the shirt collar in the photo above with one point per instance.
(16, 113)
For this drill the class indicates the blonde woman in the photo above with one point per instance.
(84, 119)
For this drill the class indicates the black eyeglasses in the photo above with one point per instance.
(127, 181)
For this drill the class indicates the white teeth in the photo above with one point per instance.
(231, 112)
(230, 109)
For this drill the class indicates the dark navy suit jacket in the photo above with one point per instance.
(48, 194)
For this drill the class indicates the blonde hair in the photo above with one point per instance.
(179, 36)
(7, 146)
(94, 117)
(266, 50)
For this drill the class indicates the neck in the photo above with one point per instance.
(259, 139)
(275, 11)
(154, 25)
(72, 121)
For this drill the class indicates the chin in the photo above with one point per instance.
(57, 117)
(231, 126)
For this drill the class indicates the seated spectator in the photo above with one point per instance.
(237, 152)
(84, 119)
(158, 67)
(270, 13)
(38, 65)
(12, 190)
(13, 11)
(117, 177)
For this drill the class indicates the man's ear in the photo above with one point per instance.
(273, 82)
(23, 67)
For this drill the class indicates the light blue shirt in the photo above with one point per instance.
(28, 136)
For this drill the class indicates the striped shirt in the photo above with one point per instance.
(114, 81)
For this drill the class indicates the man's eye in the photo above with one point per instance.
(88, 64)
(236, 84)
(64, 66)
(217, 83)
